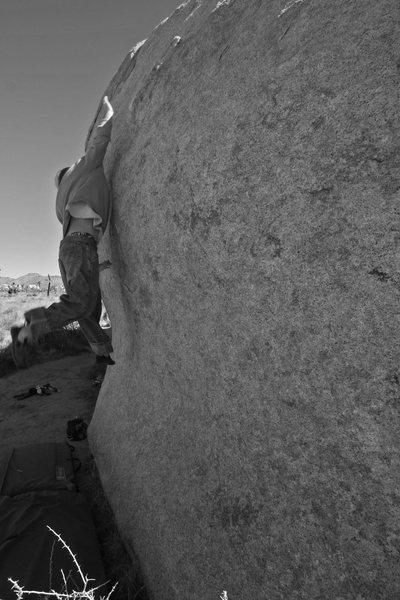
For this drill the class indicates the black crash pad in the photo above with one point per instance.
(30, 553)
(47, 466)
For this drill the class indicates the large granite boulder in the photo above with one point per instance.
(248, 436)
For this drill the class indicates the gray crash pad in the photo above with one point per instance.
(35, 467)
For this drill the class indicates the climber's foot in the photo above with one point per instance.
(21, 341)
(25, 335)
(105, 360)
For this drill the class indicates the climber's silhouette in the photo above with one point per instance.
(83, 207)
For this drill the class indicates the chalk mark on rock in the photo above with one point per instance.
(221, 3)
(196, 8)
(177, 39)
(289, 6)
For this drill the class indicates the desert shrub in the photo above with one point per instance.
(89, 590)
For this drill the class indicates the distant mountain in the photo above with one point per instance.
(32, 278)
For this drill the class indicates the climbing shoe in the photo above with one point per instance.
(21, 342)
(105, 360)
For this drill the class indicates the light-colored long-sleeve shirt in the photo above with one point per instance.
(84, 191)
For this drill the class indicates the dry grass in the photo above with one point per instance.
(13, 307)
(89, 589)
(64, 342)
(68, 341)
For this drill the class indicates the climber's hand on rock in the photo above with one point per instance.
(108, 113)
(108, 107)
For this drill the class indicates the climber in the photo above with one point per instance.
(83, 207)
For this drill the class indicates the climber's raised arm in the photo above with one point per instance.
(109, 112)
(101, 135)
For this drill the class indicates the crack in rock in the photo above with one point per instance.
(380, 274)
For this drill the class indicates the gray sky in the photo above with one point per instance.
(56, 60)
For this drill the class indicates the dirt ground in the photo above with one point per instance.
(39, 419)
(43, 418)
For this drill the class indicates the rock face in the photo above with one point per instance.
(248, 436)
